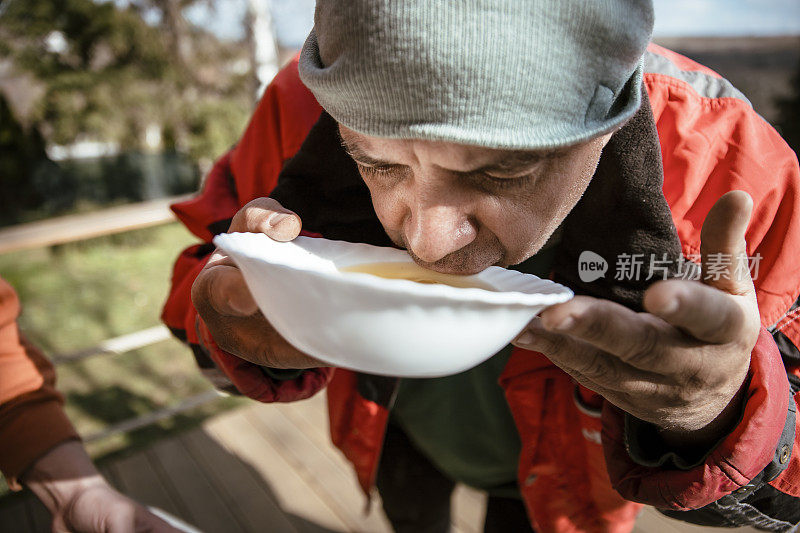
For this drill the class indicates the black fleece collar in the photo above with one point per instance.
(623, 211)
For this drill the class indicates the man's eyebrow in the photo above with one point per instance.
(357, 153)
(515, 160)
(507, 161)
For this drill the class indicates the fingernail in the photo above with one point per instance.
(276, 219)
(243, 308)
(669, 307)
(282, 227)
(525, 338)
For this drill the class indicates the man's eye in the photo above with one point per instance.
(379, 169)
(507, 183)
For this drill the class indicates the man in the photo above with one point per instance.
(526, 135)
(40, 449)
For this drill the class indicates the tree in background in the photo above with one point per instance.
(110, 75)
(23, 152)
(140, 76)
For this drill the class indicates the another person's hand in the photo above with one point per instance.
(681, 364)
(223, 301)
(100, 508)
(81, 501)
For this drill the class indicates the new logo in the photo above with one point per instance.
(591, 266)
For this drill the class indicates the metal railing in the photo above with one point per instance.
(73, 228)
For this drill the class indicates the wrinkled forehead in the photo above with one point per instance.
(381, 150)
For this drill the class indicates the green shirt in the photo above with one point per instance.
(462, 423)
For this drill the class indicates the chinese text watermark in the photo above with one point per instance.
(717, 266)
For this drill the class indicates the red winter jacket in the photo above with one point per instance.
(575, 472)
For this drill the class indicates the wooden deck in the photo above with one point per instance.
(264, 468)
(79, 227)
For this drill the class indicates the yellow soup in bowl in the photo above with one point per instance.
(414, 272)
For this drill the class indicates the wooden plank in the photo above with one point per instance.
(249, 499)
(60, 230)
(651, 521)
(138, 480)
(320, 468)
(455, 528)
(311, 417)
(110, 475)
(187, 481)
(468, 509)
(469, 505)
(13, 516)
(306, 510)
(39, 518)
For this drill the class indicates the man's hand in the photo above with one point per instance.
(223, 301)
(80, 500)
(680, 364)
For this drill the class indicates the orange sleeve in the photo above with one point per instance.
(284, 116)
(32, 419)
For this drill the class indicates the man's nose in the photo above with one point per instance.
(434, 231)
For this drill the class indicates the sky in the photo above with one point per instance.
(293, 18)
(727, 17)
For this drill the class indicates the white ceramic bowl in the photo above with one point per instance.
(392, 327)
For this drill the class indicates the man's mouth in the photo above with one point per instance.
(460, 263)
(465, 262)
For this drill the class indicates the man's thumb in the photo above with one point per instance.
(227, 292)
(723, 246)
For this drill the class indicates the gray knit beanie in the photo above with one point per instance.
(521, 74)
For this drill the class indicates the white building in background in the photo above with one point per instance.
(82, 150)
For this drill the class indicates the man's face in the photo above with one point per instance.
(459, 209)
